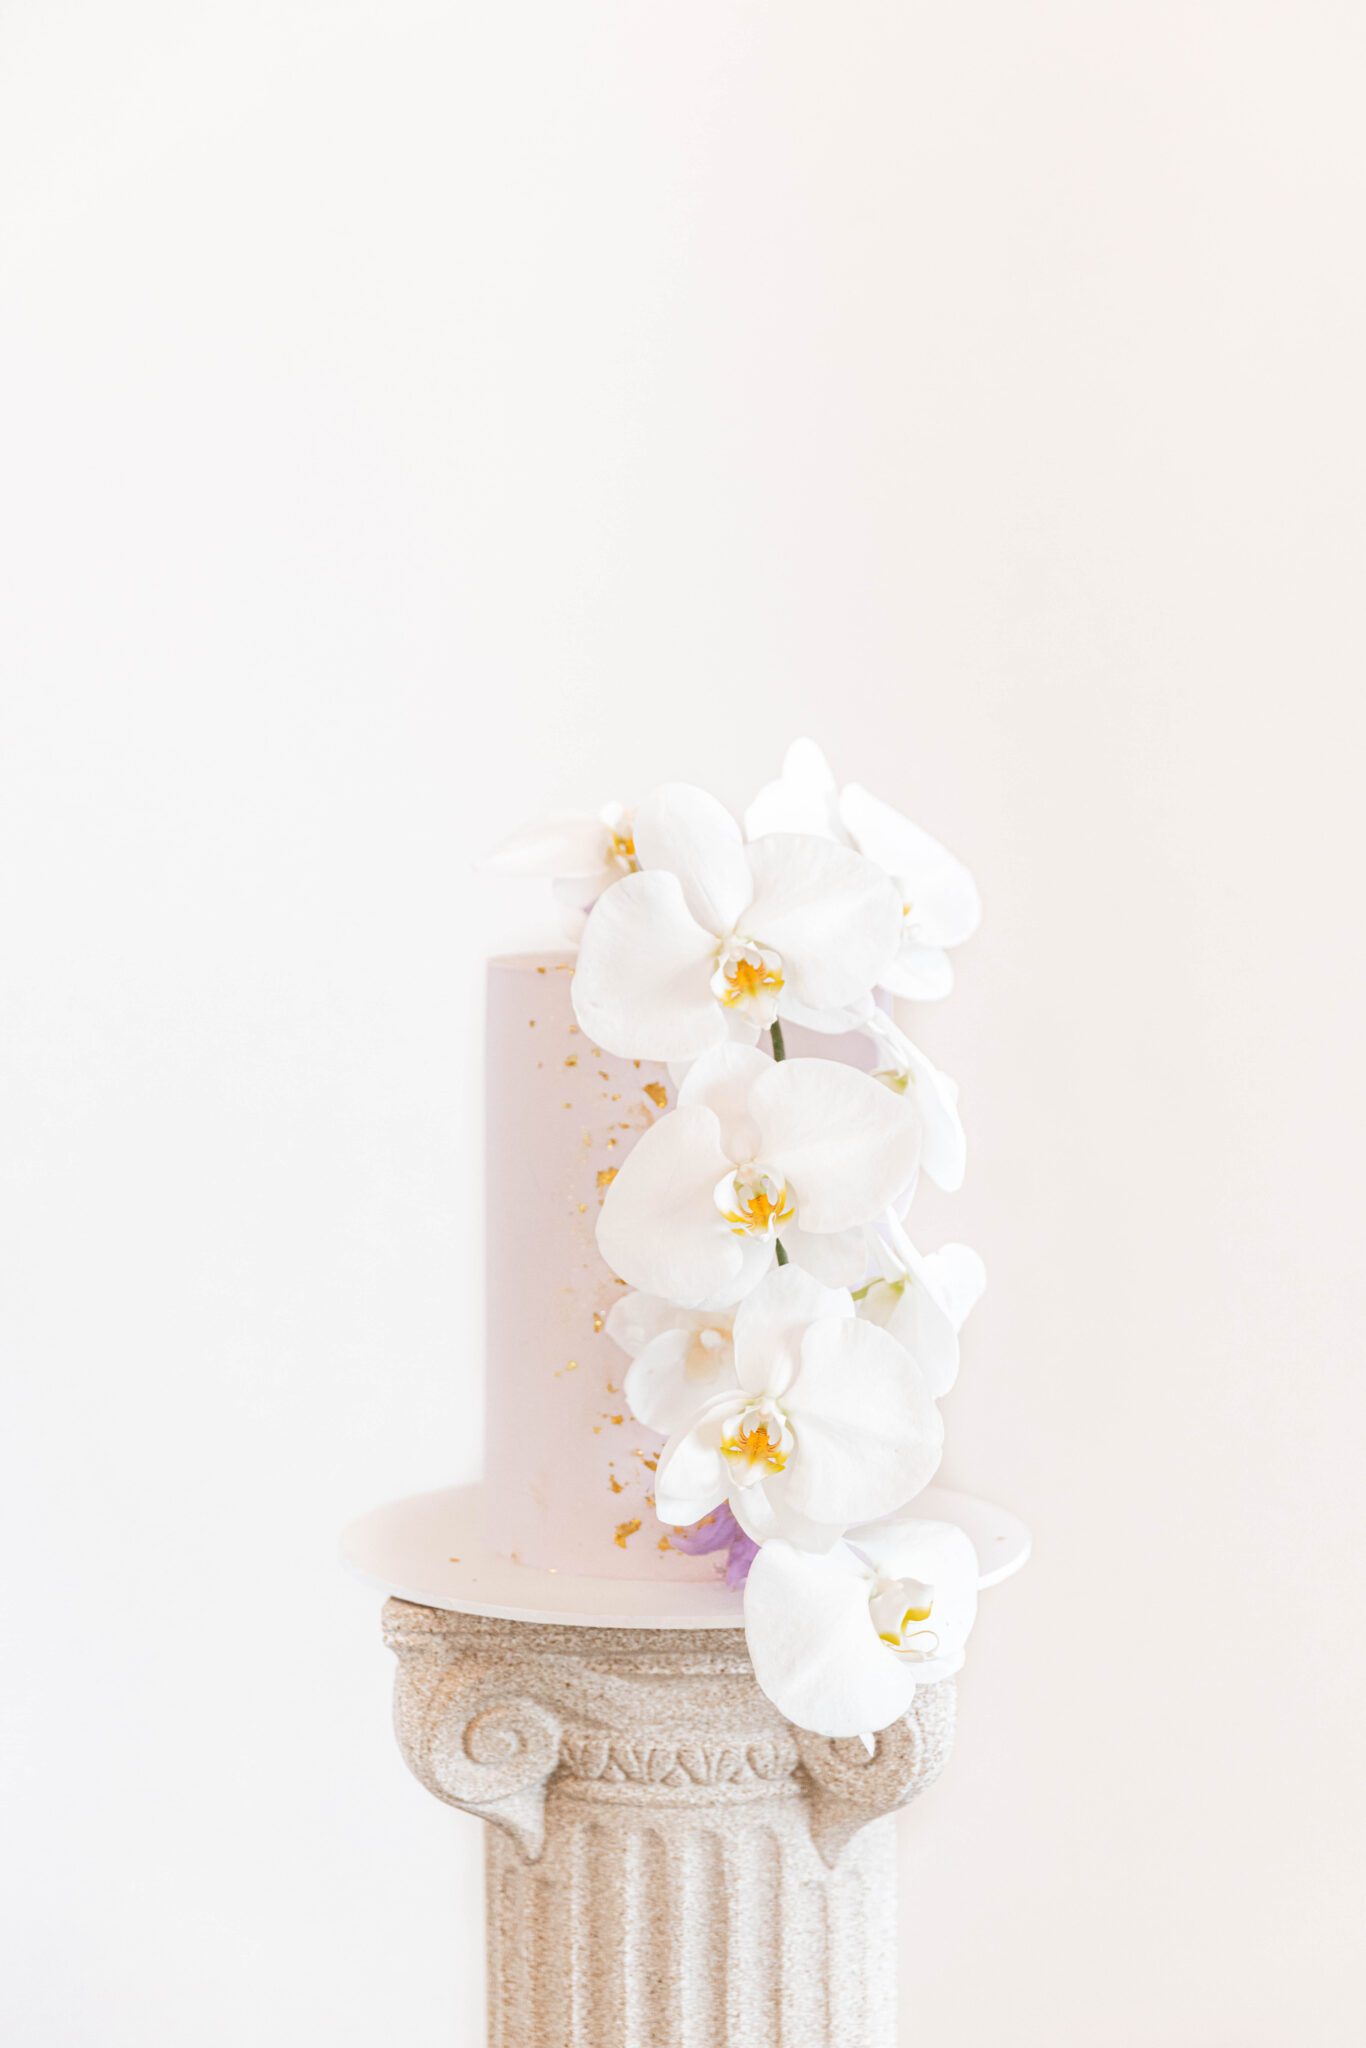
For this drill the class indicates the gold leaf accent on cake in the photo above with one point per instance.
(664, 1544)
(614, 1483)
(597, 1320)
(606, 1175)
(571, 1059)
(658, 1094)
(625, 1529)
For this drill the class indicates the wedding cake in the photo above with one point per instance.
(714, 1351)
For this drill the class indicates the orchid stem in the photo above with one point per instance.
(775, 1032)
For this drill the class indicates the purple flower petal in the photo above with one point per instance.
(719, 1531)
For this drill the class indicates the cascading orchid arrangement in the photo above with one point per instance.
(787, 1339)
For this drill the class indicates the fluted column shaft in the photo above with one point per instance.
(670, 1865)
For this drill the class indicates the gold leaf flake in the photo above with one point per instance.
(625, 1529)
(657, 1093)
(606, 1175)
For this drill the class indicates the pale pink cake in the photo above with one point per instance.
(570, 1474)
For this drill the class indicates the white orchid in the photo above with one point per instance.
(713, 940)
(932, 1097)
(827, 1420)
(923, 1301)
(940, 904)
(757, 1150)
(680, 1356)
(840, 1640)
(578, 853)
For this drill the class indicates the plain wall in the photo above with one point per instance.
(412, 416)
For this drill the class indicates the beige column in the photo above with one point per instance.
(670, 1864)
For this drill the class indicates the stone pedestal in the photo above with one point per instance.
(670, 1864)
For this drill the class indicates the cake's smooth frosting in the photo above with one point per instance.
(568, 1473)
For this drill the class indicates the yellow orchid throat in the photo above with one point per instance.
(900, 1611)
(761, 1214)
(911, 1614)
(745, 979)
(749, 1448)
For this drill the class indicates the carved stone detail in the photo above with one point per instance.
(671, 1864)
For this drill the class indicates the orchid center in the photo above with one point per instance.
(901, 1610)
(621, 850)
(748, 979)
(755, 1202)
(756, 1443)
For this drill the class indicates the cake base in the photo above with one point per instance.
(431, 1550)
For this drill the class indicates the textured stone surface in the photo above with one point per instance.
(670, 1864)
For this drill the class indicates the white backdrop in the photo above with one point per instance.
(417, 414)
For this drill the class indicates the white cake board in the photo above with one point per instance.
(430, 1549)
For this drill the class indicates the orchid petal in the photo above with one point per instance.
(844, 1144)
(568, 843)
(844, 1019)
(635, 1320)
(909, 1311)
(770, 1323)
(575, 896)
(803, 799)
(957, 1276)
(934, 1098)
(642, 985)
(660, 1228)
(839, 1258)
(691, 1478)
(921, 973)
(833, 917)
(815, 1651)
(764, 1516)
(691, 835)
(721, 1082)
(868, 1434)
(944, 906)
(661, 1391)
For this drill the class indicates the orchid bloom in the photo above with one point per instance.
(933, 1098)
(828, 1421)
(713, 940)
(923, 1301)
(578, 854)
(758, 1151)
(679, 1355)
(938, 897)
(840, 1640)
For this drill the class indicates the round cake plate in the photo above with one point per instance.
(430, 1549)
